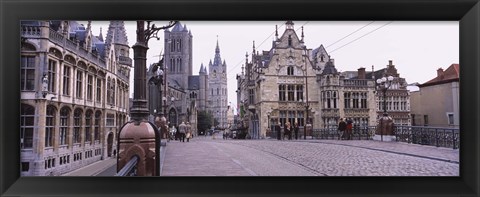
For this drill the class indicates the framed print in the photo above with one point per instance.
(459, 178)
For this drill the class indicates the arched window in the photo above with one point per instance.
(27, 123)
(98, 116)
(50, 126)
(77, 123)
(289, 40)
(64, 125)
(88, 126)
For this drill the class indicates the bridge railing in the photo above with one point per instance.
(433, 136)
(130, 169)
(358, 133)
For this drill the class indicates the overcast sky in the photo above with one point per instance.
(417, 49)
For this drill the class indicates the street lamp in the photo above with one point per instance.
(384, 84)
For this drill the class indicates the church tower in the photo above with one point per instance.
(178, 54)
(217, 90)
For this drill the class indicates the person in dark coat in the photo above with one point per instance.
(278, 130)
(349, 129)
(342, 126)
(295, 129)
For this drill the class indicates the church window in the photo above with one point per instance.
(180, 68)
(179, 45)
(28, 73)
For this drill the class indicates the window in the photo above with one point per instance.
(52, 69)
(355, 100)
(99, 90)
(347, 100)
(450, 119)
(66, 80)
(109, 91)
(251, 96)
(25, 166)
(290, 70)
(180, 69)
(27, 123)
(289, 40)
(88, 125)
(50, 126)
(283, 118)
(96, 134)
(281, 92)
(77, 122)
(291, 92)
(364, 100)
(89, 87)
(78, 89)
(28, 73)
(112, 94)
(64, 125)
(110, 120)
(425, 120)
(300, 118)
(299, 92)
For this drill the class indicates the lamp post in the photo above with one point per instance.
(306, 95)
(158, 81)
(383, 84)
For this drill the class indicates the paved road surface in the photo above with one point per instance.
(218, 157)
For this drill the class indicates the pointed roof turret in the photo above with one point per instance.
(116, 33)
(178, 27)
(217, 49)
(201, 68)
(329, 68)
(185, 28)
(100, 36)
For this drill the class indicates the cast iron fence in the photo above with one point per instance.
(432, 136)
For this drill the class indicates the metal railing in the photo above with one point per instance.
(130, 169)
(358, 133)
(432, 136)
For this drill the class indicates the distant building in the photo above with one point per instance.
(184, 93)
(437, 103)
(74, 95)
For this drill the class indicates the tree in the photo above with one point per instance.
(204, 121)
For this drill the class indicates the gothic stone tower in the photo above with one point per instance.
(217, 89)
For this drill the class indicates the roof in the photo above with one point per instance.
(116, 33)
(451, 74)
(329, 68)
(178, 27)
(193, 82)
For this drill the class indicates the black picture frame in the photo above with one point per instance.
(465, 11)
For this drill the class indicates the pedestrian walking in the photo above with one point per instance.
(342, 126)
(182, 129)
(349, 129)
(287, 131)
(278, 130)
(188, 133)
(295, 129)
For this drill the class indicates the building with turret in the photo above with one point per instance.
(74, 94)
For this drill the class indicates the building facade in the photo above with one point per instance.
(437, 102)
(291, 83)
(74, 95)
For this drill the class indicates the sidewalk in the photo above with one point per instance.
(94, 168)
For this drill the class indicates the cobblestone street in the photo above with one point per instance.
(217, 157)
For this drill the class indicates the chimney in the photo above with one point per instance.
(390, 62)
(361, 73)
(440, 73)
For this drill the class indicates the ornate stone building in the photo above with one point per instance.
(291, 83)
(217, 89)
(74, 94)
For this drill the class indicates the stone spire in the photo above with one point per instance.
(100, 36)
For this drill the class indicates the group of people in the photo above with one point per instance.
(345, 129)
(184, 132)
(288, 130)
